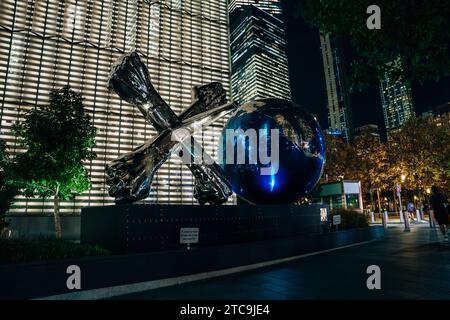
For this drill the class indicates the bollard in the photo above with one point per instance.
(372, 216)
(406, 220)
(385, 219)
(431, 218)
(418, 215)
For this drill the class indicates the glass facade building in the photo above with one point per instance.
(258, 51)
(270, 6)
(396, 101)
(46, 44)
(338, 103)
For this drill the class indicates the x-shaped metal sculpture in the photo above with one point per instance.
(130, 176)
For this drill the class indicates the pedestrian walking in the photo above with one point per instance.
(439, 204)
(410, 208)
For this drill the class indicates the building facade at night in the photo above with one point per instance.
(396, 102)
(270, 6)
(440, 115)
(46, 44)
(258, 51)
(338, 103)
(370, 130)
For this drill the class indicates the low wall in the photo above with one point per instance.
(32, 280)
(34, 226)
(154, 227)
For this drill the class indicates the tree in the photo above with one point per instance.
(7, 189)
(372, 166)
(421, 151)
(57, 139)
(339, 160)
(413, 31)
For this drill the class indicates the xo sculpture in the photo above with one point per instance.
(130, 176)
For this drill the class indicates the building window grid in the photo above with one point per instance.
(101, 103)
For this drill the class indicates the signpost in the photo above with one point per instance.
(323, 214)
(188, 236)
(337, 221)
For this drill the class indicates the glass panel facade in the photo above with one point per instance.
(395, 99)
(258, 52)
(45, 44)
(270, 6)
(352, 201)
(338, 103)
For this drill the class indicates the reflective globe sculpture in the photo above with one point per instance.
(285, 134)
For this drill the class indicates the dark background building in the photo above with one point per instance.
(259, 65)
(368, 129)
(307, 78)
(340, 122)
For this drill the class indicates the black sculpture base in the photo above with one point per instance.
(145, 228)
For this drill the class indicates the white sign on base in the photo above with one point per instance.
(337, 219)
(188, 236)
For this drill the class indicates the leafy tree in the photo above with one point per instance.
(372, 166)
(364, 160)
(7, 189)
(414, 31)
(58, 138)
(421, 151)
(339, 159)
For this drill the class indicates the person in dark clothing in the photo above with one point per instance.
(410, 208)
(439, 203)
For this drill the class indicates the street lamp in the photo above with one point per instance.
(404, 218)
(430, 214)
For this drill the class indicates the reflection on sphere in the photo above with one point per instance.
(301, 151)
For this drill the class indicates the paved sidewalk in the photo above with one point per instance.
(414, 265)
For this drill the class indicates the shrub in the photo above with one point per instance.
(25, 250)
(350, 219)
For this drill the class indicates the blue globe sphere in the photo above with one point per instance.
(283, 151)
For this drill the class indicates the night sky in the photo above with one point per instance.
(308, 84)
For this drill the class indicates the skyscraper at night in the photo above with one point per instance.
(270, 6)
(339, 112)
(258, 51)
(46, 44)
(396, 101)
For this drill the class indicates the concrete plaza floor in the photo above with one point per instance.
(413, 265)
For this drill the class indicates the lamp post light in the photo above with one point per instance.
(430, 212)
(398, 189)
(403, 218)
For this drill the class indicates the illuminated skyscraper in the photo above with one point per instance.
(396, 101)
(270, 6)
(45, 44)
(339, 112)
(258, 51)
